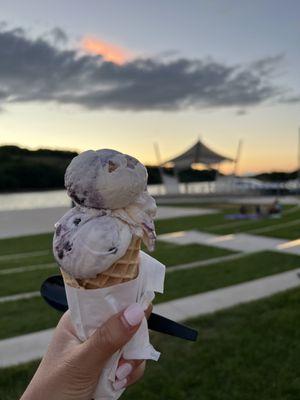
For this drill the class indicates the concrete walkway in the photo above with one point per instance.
(238, 242)
(29, 347)
(41, 220)
(16, 256)
(22, 349)
(219, 299)
(20, 296)
(28, 268)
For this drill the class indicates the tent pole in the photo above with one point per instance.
(299, 159)
(217, 174)
(158, 159)
(238, 157)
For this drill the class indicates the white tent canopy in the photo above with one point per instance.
(199, 153)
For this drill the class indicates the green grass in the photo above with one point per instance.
(253, 225)
(36, 314)
(218, 224)
(26, 261)
(222, 206)
(169, 254)
(26, 316)
(25, 282)
(25, 244)
(249, 352)
(172, 254)
(14, 380)
(291, 232)
(197, 280)
(200, 222)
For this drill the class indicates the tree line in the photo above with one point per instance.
(43, 169)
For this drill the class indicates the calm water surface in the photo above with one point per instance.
(59, 198)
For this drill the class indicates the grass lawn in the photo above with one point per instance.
(172, 254)
(288, 232)
(25, 281)
(227, 226)
(25, 244)
(167, 253)
(216, 206)
(25, 316)
(200, 222)
(197, 280)
(249, 352)
(218, 224)
(24, 261)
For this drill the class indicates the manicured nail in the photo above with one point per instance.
(118, 385)
(134, 314)
(123, 371)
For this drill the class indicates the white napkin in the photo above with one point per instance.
(89, 309)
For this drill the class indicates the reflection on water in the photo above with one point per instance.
(59, 198)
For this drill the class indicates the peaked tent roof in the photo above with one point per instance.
(199, 153)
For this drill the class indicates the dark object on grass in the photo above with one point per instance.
(53, 291)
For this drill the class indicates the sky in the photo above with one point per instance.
(127, 74)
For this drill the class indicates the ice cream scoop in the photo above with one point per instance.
(97, 245)
(86, 244)
(105, 179)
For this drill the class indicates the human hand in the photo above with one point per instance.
(70, 370)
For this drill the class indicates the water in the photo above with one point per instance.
(59, 198)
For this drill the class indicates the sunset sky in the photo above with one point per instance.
(125, 74)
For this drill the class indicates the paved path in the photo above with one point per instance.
(215, 300)
(22, 349)
(20, 296)
(41, 220)
(28, 268)
(238, 242)
(29, 347)
(15, 256)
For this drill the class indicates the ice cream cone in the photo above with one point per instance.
(123, 270)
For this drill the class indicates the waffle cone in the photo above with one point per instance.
(123, 270)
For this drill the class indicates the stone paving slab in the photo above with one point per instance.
(22, 349)
(29, 347)
(219, 299)
(238, 242)
(20, 296)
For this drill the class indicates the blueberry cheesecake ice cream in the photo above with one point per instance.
(97, 245)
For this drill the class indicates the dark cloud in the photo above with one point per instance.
(38, 70)
(291, 99)
(59, 35)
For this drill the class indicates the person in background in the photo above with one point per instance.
(275, 209)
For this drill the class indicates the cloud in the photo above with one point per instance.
(59, 36)
(39, 70)
(108, 51)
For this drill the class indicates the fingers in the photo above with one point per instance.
(112, 335)
(148, 311)
(128, 372)
(136, 374)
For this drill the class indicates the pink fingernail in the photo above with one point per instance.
(134, 314)
(123, 371)
(118, 385)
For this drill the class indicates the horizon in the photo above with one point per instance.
(211, 70)
(206, 167)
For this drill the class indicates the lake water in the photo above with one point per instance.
(59, 198)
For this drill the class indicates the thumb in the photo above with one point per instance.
(111, 336)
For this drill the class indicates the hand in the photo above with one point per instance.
(70, 369)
